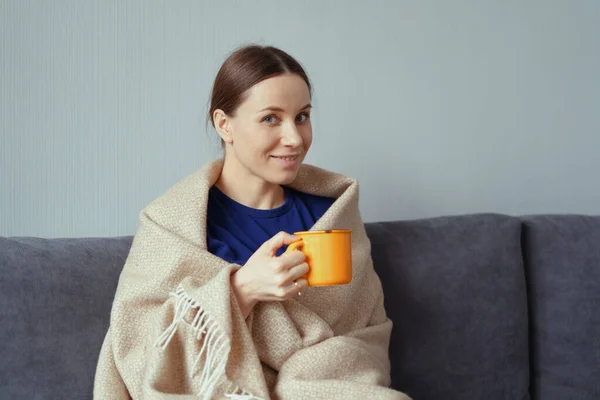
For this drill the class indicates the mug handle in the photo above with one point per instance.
(294, 246)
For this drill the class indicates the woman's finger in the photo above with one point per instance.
(276, 242)
(300, 286)
(292, 258)
(297, 272)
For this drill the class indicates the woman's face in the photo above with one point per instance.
(271, 131)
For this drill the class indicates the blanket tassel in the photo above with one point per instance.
(215, 346)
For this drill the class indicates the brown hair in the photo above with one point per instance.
(244, 68)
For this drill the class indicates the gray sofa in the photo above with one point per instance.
(484, 307)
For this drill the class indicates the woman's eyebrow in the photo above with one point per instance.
(274, 108)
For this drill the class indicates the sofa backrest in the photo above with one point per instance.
(562, 259)
(455, 290)
(55, 298)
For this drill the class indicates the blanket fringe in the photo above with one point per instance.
(242, 397)
(215, 346)
(235, 393)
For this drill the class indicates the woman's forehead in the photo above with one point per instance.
(287, 92)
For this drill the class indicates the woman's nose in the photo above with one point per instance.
(291, 136)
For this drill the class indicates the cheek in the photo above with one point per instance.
(245, 144)
(259, 140)
(249, 135)
(307, 136)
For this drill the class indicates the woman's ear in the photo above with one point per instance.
(223, 125)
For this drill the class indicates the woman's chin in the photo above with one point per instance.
(284, 177)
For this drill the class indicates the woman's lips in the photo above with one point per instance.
(287, 161)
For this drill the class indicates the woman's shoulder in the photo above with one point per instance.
(189, 189)
(182, 207)
(320, 174)
(320, 182)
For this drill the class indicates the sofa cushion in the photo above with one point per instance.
(562, 260)
(455, 289)
(56, 297)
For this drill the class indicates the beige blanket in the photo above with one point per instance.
(176, 330)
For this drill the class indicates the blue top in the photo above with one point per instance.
(234, 232)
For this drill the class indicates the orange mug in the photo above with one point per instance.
(328, 255)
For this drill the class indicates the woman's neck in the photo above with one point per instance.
(248, 189)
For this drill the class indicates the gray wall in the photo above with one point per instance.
(437, 107)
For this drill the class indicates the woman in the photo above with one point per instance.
(208, 305)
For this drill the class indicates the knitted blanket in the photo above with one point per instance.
(176, 330)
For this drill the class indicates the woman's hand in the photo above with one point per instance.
(266, 277)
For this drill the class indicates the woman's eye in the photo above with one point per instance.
(302, 117)
(271, 119)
